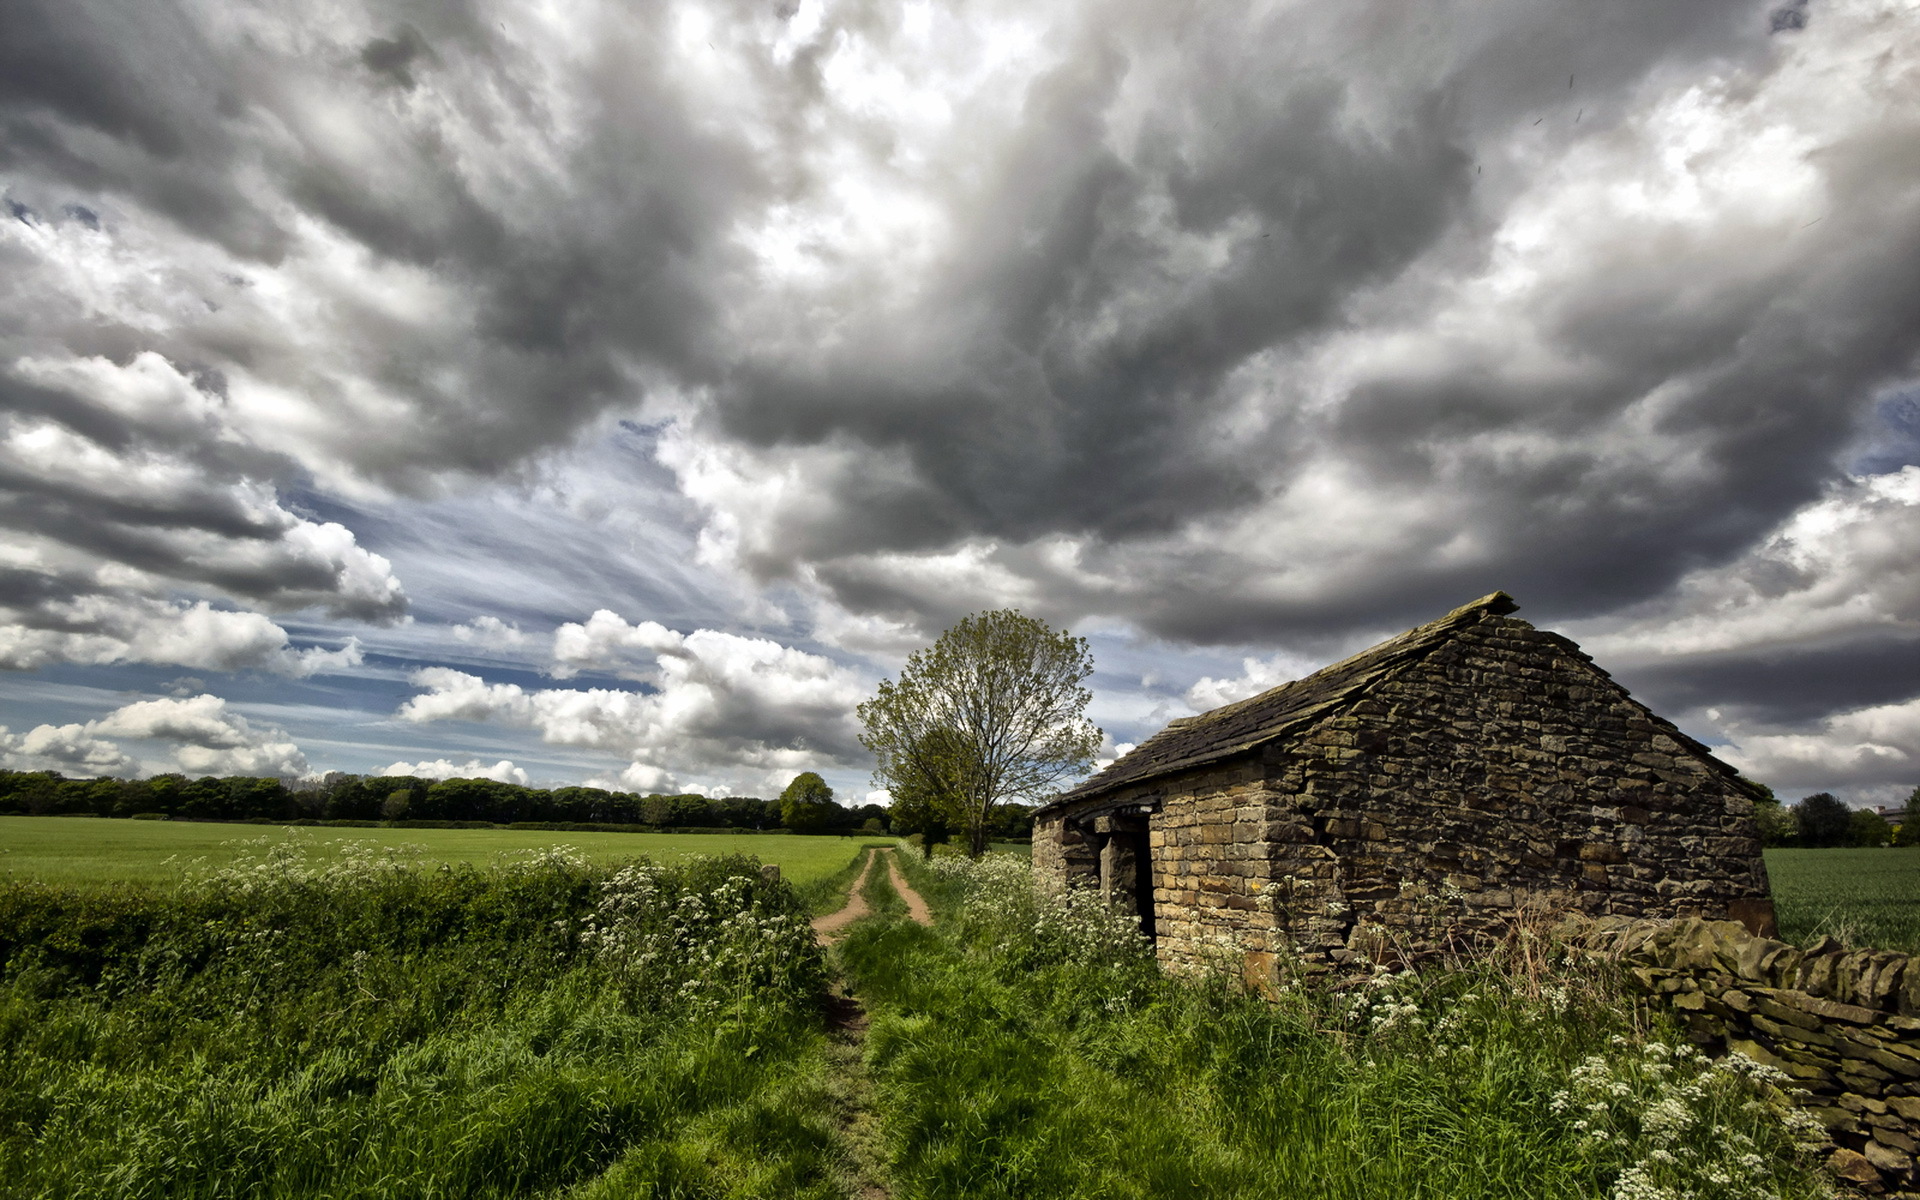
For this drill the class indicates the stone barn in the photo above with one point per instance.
(1418, 795)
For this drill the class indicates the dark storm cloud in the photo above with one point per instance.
(394, 57)
(1118, 331)
(1788, 686)
(1046, 416)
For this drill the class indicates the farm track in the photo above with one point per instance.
(856, 906)
(916, 907)
(847, 1034)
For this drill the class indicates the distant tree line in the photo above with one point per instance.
(1822, 819)
(405, 799)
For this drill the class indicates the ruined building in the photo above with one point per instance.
(1417, 795)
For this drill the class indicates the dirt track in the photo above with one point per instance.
(916, 907)
(857, 907)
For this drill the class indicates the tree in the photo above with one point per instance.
(1869, 828)
(927, 783)
(1824, 820)
(1777, 824)
(1907, 832)
(807, 804)
(992, 712)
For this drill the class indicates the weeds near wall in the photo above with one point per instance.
(1029, 1048)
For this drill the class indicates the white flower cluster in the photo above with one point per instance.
(1385, 1005)
(296, 859)
(709, 951)
(1001, 904)
(1684, 1126)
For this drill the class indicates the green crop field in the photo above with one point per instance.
(80, 850)
(1863, 897)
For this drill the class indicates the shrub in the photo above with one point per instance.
(368, 1026)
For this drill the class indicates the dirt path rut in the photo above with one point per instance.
(855, 909)
(916, 907)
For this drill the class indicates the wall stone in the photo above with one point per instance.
(1845, 1024)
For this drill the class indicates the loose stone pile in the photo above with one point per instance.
(1844, 1023)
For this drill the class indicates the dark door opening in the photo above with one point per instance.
(1126, 866)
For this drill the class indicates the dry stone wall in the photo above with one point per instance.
(1845, 1024)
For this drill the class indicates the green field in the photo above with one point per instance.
(1862, 897)
(80, 850)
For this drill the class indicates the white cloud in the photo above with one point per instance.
(723, 709)
(1875, 749)
(120, 630)
(491, 632)
(69, 749)
(1256, 676)
(502, 771)
(606, 642)
(198, 735)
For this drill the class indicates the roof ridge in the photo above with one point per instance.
(1384, 658)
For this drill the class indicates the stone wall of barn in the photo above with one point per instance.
(1501, 773)
(1208, 840)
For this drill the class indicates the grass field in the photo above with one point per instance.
(1862, 897)
(77, 850)
(323, 1023)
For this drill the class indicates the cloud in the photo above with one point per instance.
(1256, 675)
(1872, 750)
(719, 709)
(198, 735)
(123, 487)
(100, 630)
(606, 642)
(1820, 615)
(69, 749)
(1218, 389)
(1841, 566)
(500, 772)
(491, 632)
(1227, 325)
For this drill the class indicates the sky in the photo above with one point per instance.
(612, 393)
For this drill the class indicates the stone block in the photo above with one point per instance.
(1782, 1032)
(1898, 1065)
(1834, 1010)
(1894, 1140)
(1854, 1167)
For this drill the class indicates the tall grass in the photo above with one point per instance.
(366, 1027)
(1028, 1048)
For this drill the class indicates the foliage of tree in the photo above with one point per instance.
(927, 782)
(1906, 823)
(342, 797)
(1824, 820)
(1869, 828)
(1777, 823)
(807, 805)
(992, 712)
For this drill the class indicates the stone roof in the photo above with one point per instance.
(1235, 728)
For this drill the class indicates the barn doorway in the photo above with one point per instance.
(1126, 865)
